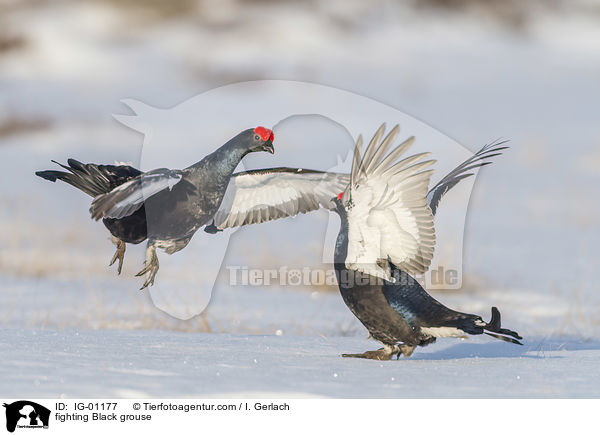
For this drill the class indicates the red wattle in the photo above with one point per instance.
(264, 133)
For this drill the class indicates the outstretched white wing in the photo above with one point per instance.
(388, 216)
(262, 195)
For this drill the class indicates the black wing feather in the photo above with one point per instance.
(459, 173)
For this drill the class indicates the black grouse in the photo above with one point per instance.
(166, 207)
(386, 233)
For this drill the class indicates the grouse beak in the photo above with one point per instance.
(336, 206)
(268, 146)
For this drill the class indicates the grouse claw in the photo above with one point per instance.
(119, 254)
(151, 267)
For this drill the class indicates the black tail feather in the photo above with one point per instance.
(73, 177)
(503, 338)
(494, 329)
(91, 178)
(50, 175)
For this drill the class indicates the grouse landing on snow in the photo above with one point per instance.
(386, 234)
(166, 207)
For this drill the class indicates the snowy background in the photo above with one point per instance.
(528, 72)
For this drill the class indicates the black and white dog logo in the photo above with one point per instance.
(26, 414)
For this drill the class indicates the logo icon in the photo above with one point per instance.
(315, 124)
(26, 414)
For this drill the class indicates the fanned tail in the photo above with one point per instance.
(90, 178)
(493, 329)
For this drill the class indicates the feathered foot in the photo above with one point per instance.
(384, 354)
(151, 268)
(379, 355)
(119, 254)
(405, 350)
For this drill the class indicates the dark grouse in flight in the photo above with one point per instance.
(166, 207)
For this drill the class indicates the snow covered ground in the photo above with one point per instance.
(530, 241)
(60, 337)
(76, 363)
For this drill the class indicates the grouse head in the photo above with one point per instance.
(257, 139)
(340, 205)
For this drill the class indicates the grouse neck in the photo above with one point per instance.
(225, 159)
(341, 245)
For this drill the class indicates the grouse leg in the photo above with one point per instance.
(119, 254)
(151, 266)
(383, 354)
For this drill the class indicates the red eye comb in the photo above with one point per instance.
(340, 196)
(264, 133)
